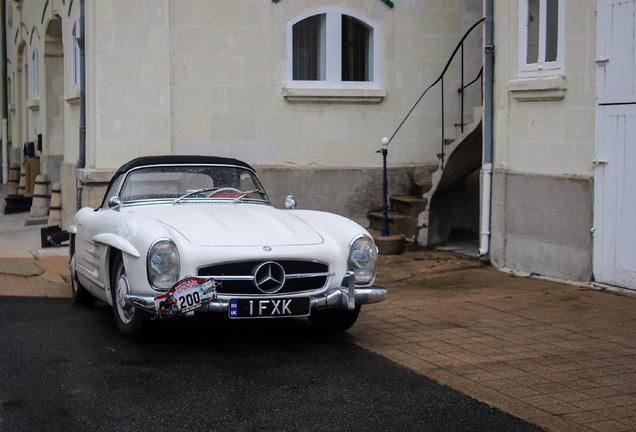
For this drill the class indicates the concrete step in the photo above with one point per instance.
(410, 206)
(423, 186)
(398, 223)
(388, 245)
(376, 219)
(458, 128)
(425, 172)
(405, 211)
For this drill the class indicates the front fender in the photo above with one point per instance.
(117, 242)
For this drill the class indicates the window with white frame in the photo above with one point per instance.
(541, 32)
(35, 73)
(75, 53)
(332, 47)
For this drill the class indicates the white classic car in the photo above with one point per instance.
(177, 235)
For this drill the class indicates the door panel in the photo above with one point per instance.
(616, 51)
(614, 196)
(614, 260)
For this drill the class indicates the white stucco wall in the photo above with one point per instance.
(554, 137)
(209, 77)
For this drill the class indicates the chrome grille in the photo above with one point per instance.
(238, 277)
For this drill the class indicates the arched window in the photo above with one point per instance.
(35, 74)
(331, 46)
(75, 53)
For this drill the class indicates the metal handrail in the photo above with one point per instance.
(460, 46)
(464, 87)
(479, 75)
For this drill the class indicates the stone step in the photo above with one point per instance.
(398, 223)
(410, 206)
(405, 211)
(388, 245)
(423, 186)
(458, 128)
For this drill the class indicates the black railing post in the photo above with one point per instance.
(385, 188)
(443, 137)
(461, 118)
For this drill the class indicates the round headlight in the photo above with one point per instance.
(363, 257)
(163, 264)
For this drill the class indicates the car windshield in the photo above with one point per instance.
(186, 183)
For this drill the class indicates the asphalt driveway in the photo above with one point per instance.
(65, 367)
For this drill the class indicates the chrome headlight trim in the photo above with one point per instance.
(163, 264)
(362, 259)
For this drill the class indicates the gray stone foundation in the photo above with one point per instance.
(542, 224)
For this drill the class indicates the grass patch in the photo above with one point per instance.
(495, 408)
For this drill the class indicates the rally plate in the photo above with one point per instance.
(269, 308)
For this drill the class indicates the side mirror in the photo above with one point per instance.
(290, 202)
(115, 203)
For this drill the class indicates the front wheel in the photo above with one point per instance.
(131, 322)
(334, 320)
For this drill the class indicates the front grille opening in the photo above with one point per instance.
(224, 273)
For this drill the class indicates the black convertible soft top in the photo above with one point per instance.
(179, 160)
(172, 160)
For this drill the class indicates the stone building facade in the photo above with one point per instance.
(216, 77)
(277, 84)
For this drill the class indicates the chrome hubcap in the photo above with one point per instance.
(125, 311)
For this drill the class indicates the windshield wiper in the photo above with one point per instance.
(244, 194)
(193, 192)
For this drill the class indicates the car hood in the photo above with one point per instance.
(234, 224)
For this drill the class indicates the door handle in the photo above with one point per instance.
(599, 161)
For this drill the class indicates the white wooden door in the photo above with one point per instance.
(615, 196)
(616, 52)
(614, 253)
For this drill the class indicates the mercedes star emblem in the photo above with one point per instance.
(269, 277)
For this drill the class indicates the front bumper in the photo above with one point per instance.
(347, 296)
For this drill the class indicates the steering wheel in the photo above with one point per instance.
(228, 192)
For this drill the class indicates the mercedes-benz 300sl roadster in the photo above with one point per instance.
(178, 235)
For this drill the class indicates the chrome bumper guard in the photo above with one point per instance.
(347, 296)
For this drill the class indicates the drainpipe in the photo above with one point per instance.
(81, 162)
(486, 169)
(5, 103)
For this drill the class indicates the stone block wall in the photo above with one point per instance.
(542, 224)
